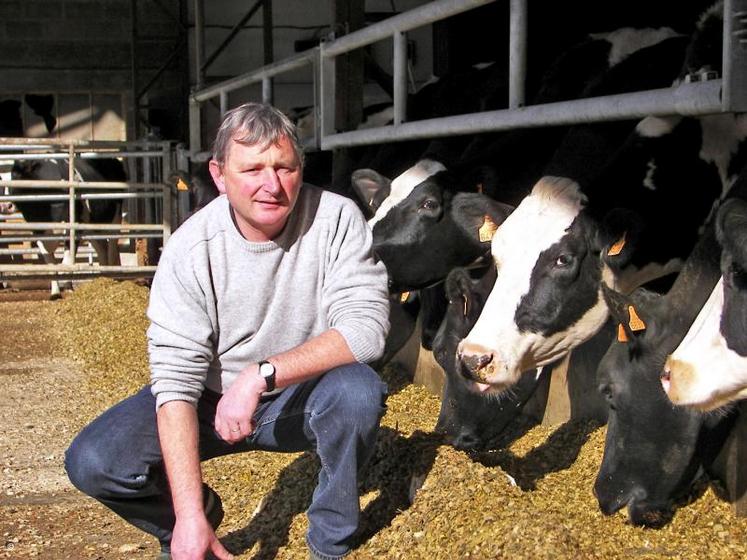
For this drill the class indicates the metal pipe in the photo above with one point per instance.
(199, 43)
(699, 98)
(78, 196)
(517, 59)
(81, 155)
(195, 126)
(29, 184)
(71, 204)
(298, 60)
(38, 226)
(231, 34)
(406, 21)
(268, 95)
(735, 56)
(400, 77)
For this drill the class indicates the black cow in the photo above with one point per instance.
(467, 418)
(585, 225)
(654, 450)
(105, 211)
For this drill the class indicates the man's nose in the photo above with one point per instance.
(271, 181)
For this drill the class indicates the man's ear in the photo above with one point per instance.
(618, 236)
(216, 173)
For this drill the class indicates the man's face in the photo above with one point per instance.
(262, 186)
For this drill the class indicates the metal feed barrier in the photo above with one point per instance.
(150, 211)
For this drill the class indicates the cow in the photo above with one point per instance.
(106, 211)
(708, 369)
(470, 420)
(654, 452)
(582, 228)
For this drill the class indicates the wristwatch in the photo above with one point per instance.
(267, 370)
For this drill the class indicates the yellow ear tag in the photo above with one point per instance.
(635, 323)
(181, 185)
(465, 308)
(403, 297)
(617, 247)
(487, 229)
(622, 336)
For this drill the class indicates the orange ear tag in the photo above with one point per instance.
(622, 336)
(181, 185)
(635, 323)
(617, 247)
(487, 229)
(403, 297)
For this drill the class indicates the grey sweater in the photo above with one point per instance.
(219, 302)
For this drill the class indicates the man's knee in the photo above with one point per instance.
(85, 465)
(360, 395)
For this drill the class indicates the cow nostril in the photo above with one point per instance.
(665, 374)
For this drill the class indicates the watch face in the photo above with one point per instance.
(266, 369)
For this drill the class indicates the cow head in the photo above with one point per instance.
(709, 367)
(442, 223)
(547, 297)
(654, 452)
(468, 418)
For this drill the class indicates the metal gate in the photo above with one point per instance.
(149, 210)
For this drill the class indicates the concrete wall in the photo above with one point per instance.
(85, 47)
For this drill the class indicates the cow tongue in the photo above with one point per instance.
(482, 387)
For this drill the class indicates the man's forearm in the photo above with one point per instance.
(179, 437)
(312, 358)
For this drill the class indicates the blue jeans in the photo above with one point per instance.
(117, 458)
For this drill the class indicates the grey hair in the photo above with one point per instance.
(255, 124)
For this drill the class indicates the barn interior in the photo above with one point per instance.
(147, 82)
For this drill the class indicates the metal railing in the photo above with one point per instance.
(725, 94)
(149, 208)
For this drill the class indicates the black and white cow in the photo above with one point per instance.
(581, 228)
(654, 451)
(107, 211)
(708, 369)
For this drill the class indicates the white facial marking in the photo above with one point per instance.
(648, 180)
(703, 371)
(403, 185)
(627, 40)
(537, 223)
(655, 127)
(722, 136)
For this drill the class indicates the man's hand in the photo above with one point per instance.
(193, 538)
(233, 416)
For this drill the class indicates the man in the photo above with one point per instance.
(265, 306)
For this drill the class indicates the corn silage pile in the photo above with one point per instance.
(420, 498)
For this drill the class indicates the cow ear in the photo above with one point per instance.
(617, 237)
(731, 229)
(629, 315)
(370, 187)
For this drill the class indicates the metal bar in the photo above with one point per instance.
(94, 185)
(326, 94)
(400, 77)
(298, 60)
(78, 196)
(735, 56)
(199, 43)
(81, 237)
(195, 126)
(699, 98)
(231, 34)
(223, 103)
(133, 69)
(406, 21)
(176, 51)
(72, 218)
(517, 59)
(268, 95)
(81, 155)
(71, 271)
(40, 226)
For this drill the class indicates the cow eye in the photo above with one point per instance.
(563, 260)
(429, 204)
